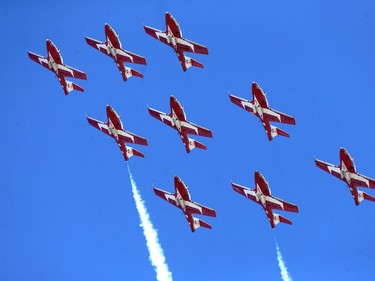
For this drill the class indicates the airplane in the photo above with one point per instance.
(346, 172)
(54, 62)
(113, 48)
(259, 107)
(177, 120)
(181, 199)
(173, 37)
(261, 194)
(114, 129)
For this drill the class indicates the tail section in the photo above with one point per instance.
(364, 196)
(199, 223)
(278, 218)
(70, 86)
(128, 152)
(189, 62)
(192, 143)
(127, 72)
(276, 132)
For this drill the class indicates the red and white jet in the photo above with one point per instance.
(54, 62)
(346, 172)
(114, 129)
(259, 107)
(112, 48)
(181, 199)
(261, 194)
(177, 120)
(173, 37)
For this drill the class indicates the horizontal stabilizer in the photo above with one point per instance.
(130, 151)
(195, 144)
(278, 218)
(189, 62)
(277, 132)
(70, 86)
(364, 196)
(131, 72)
(199, 223)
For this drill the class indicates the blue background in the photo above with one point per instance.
(66, 207)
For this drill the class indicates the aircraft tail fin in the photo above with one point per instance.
(189, 62)
(70, 86)
(130, 151)
(129, 72)
(364, 196)
(277, 132)
(199, 223)
(278, 218)
(194, 144)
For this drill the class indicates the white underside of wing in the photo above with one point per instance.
(125, 134)
(124, 54)
(275, 201)
(194, 206)
(103, 126)
(189, 126)
(272, 113)
(360, 178)
(185, 43)
(332, 168)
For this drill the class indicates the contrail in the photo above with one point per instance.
(284, 271)
(156, 257)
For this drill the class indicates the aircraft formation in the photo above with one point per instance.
(176, 119)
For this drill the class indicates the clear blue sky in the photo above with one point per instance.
(66, 206)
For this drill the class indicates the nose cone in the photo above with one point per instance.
(106, 27)
(168, 16)
(108, 30)
(50, 46)
(254, 87)
(109, 109)
(343, 153)
(172, 100)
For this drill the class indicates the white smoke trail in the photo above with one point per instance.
(156, 257)
(284, 271)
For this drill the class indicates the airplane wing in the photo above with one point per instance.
(196, 208)
(98, 45)
(157, 34)
(329, 168)
(126, 56)
(193, 129)
(161, 116)
(360, 180)
(127, 136)
(278, 204)
(99, 125)
(277, 116)
(169, 197)
(69, 71)
(190, 46)
(39, 59)
(243, 103)
(245, 191)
